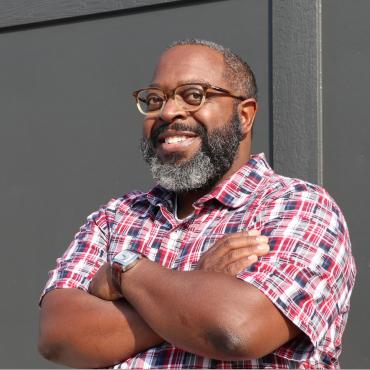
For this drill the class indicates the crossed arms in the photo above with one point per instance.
(208, 311)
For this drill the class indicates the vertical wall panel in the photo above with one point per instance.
(346, 123)
(296, 88)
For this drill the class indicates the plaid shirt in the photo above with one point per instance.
(308, 274)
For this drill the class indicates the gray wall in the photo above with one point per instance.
(69, 132)
(69, 128)
(346, 128)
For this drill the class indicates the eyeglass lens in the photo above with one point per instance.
(187, 97)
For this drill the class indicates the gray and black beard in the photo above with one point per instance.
(205, 168)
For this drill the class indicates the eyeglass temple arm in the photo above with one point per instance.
(240, 97)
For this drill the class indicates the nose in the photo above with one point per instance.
(171, 110)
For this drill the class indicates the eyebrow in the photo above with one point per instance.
(183, 82)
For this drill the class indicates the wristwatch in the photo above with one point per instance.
(122, 262)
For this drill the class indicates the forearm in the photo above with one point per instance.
(197, 311)
(80, 330)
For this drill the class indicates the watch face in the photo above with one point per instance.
(125, 257)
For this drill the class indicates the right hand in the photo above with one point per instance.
(103, 286)
(234, 252)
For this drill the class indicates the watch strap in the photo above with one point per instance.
(116, 272)
(123, 262)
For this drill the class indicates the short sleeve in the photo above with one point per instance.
(309, 272)
(84, 256)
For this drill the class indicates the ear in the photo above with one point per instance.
(247, 110)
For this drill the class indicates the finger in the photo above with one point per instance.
(253, 232)
(224, 246)
(99, 282)
(232, 241)
(236, 254)
(224, 239)
(238, 266)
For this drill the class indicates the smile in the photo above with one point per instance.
(176, 139)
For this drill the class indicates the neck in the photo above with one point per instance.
(185, 200)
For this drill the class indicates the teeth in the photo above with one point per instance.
(175, 139)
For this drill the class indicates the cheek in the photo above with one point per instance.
(148, 126)
(214, 115)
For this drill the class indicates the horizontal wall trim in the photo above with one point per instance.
(24, 12)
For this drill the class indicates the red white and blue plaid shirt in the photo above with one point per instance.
(308, 274)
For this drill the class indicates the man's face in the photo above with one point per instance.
(191, 150)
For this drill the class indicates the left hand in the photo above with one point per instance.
(102, 285)
(234, 252)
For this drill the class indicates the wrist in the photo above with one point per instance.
(121, 263)
(133, 279)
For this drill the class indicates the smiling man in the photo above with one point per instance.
(223, 264)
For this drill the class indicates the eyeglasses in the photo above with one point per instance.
(188, 97)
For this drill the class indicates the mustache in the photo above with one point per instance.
(177, 126)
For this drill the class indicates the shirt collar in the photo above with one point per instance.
(158, 196)
(235, 191)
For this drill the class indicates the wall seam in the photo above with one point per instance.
(320, 138)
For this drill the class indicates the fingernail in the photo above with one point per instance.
(262, 239)
(252, 257)
(263, 247)
(254, 232)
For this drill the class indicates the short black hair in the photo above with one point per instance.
(237, 71)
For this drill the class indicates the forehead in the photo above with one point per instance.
(189, 63)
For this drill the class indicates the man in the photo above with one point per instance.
(224, 264)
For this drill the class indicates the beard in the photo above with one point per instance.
(207, 166)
